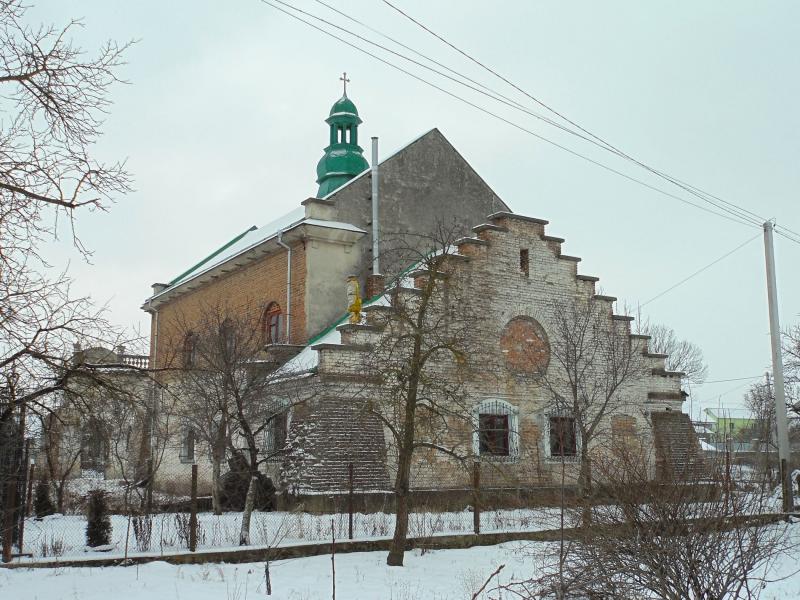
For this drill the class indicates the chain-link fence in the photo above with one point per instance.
(172, 509)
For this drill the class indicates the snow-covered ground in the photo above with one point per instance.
(434, 575)
(63, 536)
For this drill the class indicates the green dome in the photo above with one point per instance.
(344, 106)
(343, 158)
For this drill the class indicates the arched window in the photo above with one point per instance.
(189, 350)
(273, 324)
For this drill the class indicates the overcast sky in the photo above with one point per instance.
(222, 126)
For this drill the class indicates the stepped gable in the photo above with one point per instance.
(339, 423)
(500, 223)
(677, 449)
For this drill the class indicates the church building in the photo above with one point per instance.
(291, 276)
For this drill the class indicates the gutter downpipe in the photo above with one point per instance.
(154, 389)
(288, 248)
(376, 264)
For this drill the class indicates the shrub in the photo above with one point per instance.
(42, 505)
(142, 531)
(98, 526)
(235, 483)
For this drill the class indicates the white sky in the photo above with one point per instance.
(223, 125)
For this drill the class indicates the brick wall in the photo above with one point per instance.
(494, 285)
(246, 292)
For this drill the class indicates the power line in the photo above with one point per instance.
(730, 216)
(727, 380)
(735, 209)
(708, 266)
(734, 213)
(593, 139)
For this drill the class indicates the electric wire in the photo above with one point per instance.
(727, 380)
(499, 97)
(696, 273)
(746, 219)
(729, 216)
(753, 217)
(486, 91)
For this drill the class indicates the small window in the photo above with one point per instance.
(493, 435)
(275, 434)
(94, 448)
(273, 324)
(563, 437)
(524, 261)
(228, 337)
(187, 446)
(189, 350)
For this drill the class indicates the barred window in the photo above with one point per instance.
(496, 430)
(275, 434)
(493, 434)
(563, 437)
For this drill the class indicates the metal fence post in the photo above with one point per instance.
(29, 505)
(350, 501)
(193, 513)
(23, 489)
(149, 488)
(8, 517)
(476, 487)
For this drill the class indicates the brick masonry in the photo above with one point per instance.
(501, 292)
(245, 291)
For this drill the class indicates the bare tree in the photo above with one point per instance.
(102, 419)
(683, 356)
(791, 350)
(699, 538)
(427, 346)
(54, 98)
(593, 363)
(62, 453)
(229, 392)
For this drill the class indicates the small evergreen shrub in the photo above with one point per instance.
(42, 505)
(98, 526)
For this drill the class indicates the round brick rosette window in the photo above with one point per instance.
(525, 347)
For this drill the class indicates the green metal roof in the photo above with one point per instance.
(343, 158)
(344, 106)
(212, 255)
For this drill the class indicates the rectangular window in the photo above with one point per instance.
(524, 261)
(275, 434)
(493, 434)
(93, 448)
(187, 446)
(563, 437)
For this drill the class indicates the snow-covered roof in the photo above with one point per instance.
(737, 412)
(252, 238)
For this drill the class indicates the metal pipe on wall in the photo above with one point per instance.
(376, 264)
(288, 248)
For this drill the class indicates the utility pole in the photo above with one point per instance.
(781, 422)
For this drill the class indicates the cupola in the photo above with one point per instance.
(343, 158)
